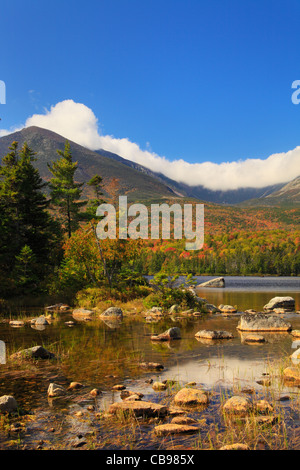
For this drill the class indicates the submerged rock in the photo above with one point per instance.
(36, 352)
(217, 282)
(16, 323)
(237, 446)
(280, 302)
(213, 334)
(254, 338)
(171, 333)
(159, 386)
(83, 314)
(171, 428)
(8, 404)
(138, 408)
(151, 365)
(262, 322)
(292, 374)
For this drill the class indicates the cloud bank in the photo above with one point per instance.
(78, 123)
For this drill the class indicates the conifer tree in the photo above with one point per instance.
(65, 192)
(25, 220)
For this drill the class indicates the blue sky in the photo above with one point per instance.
(190, 79)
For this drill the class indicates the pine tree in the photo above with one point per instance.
(65, 193)
(25, 220)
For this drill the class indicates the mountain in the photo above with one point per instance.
(287, 195)
(131, 182)
(136, 181)
(234, 196)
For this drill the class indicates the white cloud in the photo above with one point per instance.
(78, 123)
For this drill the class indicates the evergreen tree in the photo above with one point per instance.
(25, 220)
(95, 183)
(65, 193)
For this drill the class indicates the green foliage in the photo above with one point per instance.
(29, 236)
(65, 192)
(168, 292)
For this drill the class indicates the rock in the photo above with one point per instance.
(70, 323)
(119, 387)
(16, 323)
(213, 334)
(7, 404)
(183, 420)
(254, 338)
(55, 390)
(36, 352)
(95, 392)
(134, 397)
(143, 409)
(217, 282)
(170, 334)
(265, 382)
(292, 374)
(227, 309)
(83, 314)
(159, 386)
(295, 333)
(296, 355)
(75, 386)
(263, 407)
(238, 405)
(174, 309)
(191, 397)
(40, 321)
(211, 308)
(156, 311)
(262, 322)
(237, 446)
(251, 311)
(151, 365)
(280, 302)
(128, 393)
(56, 307)
(164, 429)
(113, 312)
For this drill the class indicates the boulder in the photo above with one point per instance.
(213, 334)
(170, 334)
(143, 409)
(254, 338)
(295, 333)
(262, 322)
(159, 386)
(55, 390)
(191, 397)
(217, 282)
(40, 321)
(171, 428)
(36, 352)
(238, 405)
(183, 420)
(7, 404)
(280, 302)
(16, 323)
(82, 314)
(115, 312)
(227, 309)
(292, 374)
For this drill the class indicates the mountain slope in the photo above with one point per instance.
(287, 195)
(234, 196)
(131, 182)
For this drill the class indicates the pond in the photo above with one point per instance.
(102, 354)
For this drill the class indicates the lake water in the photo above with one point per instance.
(101, 354)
